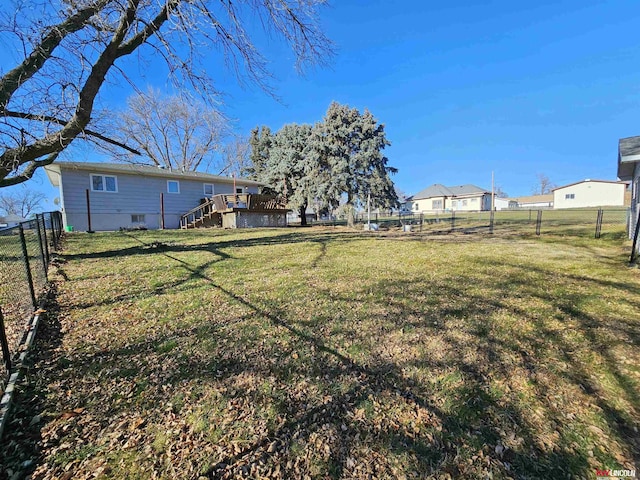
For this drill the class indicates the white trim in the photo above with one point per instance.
(104, 182)
(629, 158)
(177, 182)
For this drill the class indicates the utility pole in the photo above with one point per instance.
(493, 193)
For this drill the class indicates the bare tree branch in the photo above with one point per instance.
(47, 118)
(67, 61)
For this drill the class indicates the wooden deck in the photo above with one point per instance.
(211, 211)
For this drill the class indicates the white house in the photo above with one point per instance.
(590, 193)
(629, 171)
(500, 203)
(438, 198)
(121, 195)
(534, 201)
(11, 220)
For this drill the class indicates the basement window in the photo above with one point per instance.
(137, 218)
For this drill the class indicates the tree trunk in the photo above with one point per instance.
(303, 215)
(351, 215)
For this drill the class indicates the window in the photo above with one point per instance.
(570, 196)
(416, 207)
(137, 218)
(474, 200)
(454, 203)
(173, 186)
(436, 204)
(464, 203)
(208, 189)
(239, 190)
(104, 183)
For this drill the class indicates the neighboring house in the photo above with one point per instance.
(590, 193)
(629, 171)
(534, 201)
(129, 196)
(11, 220)
(438, 198)
(504, 203)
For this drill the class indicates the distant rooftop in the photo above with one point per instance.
(439, 190)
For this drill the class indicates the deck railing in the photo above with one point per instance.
(229, 202)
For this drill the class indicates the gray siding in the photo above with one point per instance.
(136, 195)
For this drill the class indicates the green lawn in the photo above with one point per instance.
(329, 353)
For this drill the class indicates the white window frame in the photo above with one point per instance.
(104, 182)
(204, 188)
(138, 215)
(177, 182)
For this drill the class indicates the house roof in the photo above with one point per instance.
(628, 156)
(535, 199)
(590, 181)
(439, 190)
(53, 172)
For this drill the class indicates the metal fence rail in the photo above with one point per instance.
(25, 253)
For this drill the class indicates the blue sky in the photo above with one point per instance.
(465, 88)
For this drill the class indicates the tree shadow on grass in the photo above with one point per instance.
(463, 427)
(470, 427)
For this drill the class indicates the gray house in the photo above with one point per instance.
(128, 196)
(438, 198)
(629, 171)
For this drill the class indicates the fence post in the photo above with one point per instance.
(43, 254)
(6, 355)
(89, 229)
(538, 222)
(599, 223)
(162, 211)
(635, 239)
(491, 221)
(45, 239)
(25, 255)
(453, 220)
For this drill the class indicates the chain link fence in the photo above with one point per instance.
(588, 222)
(25, 252)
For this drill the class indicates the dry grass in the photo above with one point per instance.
(334, 354)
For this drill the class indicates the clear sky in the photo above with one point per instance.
(467, 87)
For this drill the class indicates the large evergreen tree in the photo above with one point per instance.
(350, 145)
(260, 142)
(290, 169)
(339, 158)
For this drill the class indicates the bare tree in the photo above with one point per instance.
(236, 156)
(499, 192)
(22, 203)
(543, 186)
(172, 131)
(70, 48)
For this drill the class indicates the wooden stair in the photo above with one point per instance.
(203, 215)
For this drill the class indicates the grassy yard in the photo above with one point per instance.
(311, 353)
